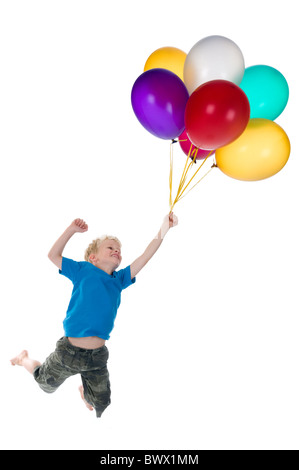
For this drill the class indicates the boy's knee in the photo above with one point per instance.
(47, 383)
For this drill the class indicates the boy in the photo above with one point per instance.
(90, 316)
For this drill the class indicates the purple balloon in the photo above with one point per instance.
(159, 99)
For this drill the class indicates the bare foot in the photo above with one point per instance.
(82, 396)
(18, 360)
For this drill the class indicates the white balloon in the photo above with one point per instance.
(213, 58)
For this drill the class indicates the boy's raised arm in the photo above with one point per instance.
(55, 254)
(169, 221)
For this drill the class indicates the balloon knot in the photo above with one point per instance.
(214, 165)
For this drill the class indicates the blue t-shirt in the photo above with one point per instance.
(95, 298)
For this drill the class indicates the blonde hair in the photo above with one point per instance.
(95, 245)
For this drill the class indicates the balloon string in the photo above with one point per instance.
(186, 170)
(182, 184)
(184, 174)
(170, 175)
(195, 175)
(181, 197)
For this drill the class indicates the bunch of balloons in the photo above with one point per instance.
(209, 100)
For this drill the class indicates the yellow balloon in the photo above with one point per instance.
(260, 152)
(169, 58)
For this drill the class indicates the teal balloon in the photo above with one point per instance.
(267, 91)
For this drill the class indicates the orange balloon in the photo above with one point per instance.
(260, 152)
(169, 58)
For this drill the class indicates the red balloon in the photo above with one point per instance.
(216, 114)
(186, 143)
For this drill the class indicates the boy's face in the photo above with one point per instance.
(108, 255)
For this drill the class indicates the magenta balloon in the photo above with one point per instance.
(159, 99)
(186, 143)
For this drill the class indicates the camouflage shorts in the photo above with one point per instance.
(68, 360)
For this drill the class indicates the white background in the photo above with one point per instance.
(204, 354)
